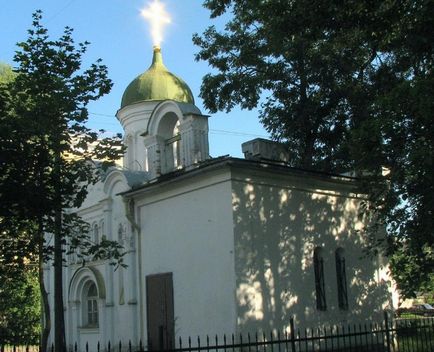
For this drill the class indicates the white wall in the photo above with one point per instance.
(278, 221)
(105, 203)
(239, 243)
(186, 229)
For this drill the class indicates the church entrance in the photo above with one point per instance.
(160, 313)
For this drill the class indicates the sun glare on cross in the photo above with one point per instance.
(158, 17)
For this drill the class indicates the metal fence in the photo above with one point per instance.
(401, 335)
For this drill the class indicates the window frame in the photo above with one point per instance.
(318, 263)
(95, 233)
(341, 279)
(91, 310)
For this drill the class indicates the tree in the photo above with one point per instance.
(6, 73)
(347, 86)
(19, 304)
(19, 296)
(48, 155)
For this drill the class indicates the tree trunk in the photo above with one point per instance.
(59, 324)
(46, 323)
(46, 316)
(59, 321)
(308, 142)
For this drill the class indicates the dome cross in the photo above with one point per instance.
(158, 17)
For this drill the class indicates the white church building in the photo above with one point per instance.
(215, 245)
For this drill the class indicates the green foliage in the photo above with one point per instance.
(20, 309)
(348, 86)
(47, 158)
(19, 292)
(6, 73)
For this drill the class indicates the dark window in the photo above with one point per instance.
(341, 279)
(318, 263)
(96, 234)
(92, 306)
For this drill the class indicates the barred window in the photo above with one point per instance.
(341, 279)
(318, 263)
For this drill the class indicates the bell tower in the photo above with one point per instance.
(164, 130)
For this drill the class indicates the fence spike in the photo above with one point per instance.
(355, 334)
(348, 333)
(366, 334)
(331, 336)
(292, 331)
(325, 337)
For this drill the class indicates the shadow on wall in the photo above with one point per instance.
(276, 233)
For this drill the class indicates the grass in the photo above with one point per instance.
(410, 316)
(415, 335)
(415, 344)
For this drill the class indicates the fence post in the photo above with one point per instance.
(291, 323)
(386, 323)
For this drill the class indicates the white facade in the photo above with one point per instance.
(216, 246)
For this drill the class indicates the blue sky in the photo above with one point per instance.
(121, 37)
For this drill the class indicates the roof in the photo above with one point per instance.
(274, 167)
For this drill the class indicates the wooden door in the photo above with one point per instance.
(159, 293)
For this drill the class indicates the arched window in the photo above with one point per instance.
(121, 240)
(318, 263)
(341, 279)
(177, 147)
(102, 230)
(91, 306)
(173, 149)
(169, 142)
(95, 234)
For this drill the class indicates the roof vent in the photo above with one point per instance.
(259, 148)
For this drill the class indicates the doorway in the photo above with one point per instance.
(160, 312)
